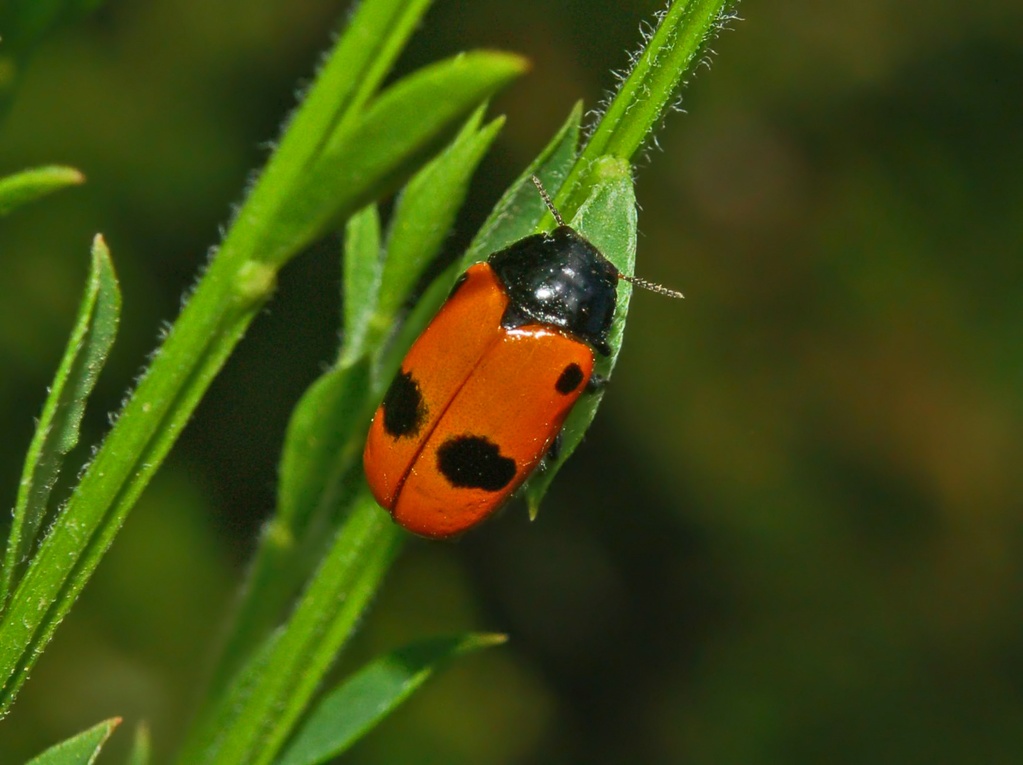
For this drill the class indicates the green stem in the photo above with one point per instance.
(651, 88)
(260, 710)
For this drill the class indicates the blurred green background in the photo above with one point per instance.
(795, 533)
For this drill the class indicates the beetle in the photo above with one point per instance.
(482, 394)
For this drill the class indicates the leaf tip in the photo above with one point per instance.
(513, 64)
(60, 175)
(73, 176)
(533, 503)
(486, 639)
(101, 260)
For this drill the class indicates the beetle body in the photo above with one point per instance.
(483, 392)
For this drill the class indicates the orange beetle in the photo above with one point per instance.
(483, 393)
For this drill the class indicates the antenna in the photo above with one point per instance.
(547, 200)
(660, 289)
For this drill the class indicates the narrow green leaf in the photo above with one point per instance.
(426, 211)
(141, 747)
(29, 185)
(370, 157)
(363, 55)
(375, 36)
(608, 219)
(258, 712)
(356, 706)
(321, 429)
(82, 749)
(361, 271)
(57, 431)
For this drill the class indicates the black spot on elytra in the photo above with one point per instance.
(404, 410)
(570, 379)
(474, 462)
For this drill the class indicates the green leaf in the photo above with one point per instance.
(608, 219)
(29, 185)
(259, 710)
(57, 432)
(375, 36)
(353, 708)
(425, 213)
(141, 747)
(321, 429)
(369, 157)
(82, 749)
(362, 269)
(355, 68)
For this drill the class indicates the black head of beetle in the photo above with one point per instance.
(561, 280)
